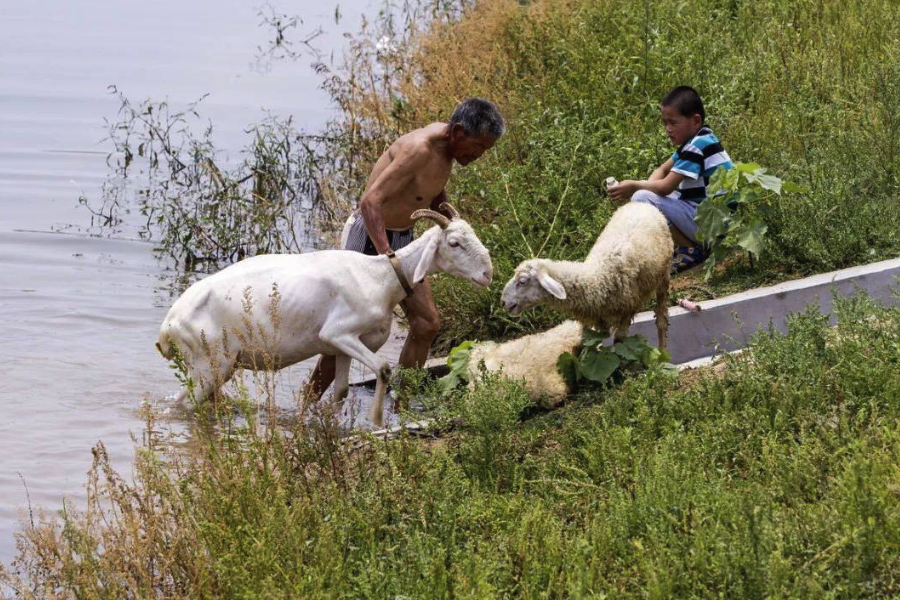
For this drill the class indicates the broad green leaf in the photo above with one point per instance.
(567, 365)
(767, 182)
(711, 218)
(770, 182)
(715, 182)
(730, 179)
(793, 188)
(631, 348)
(598, 365)
(591, 338)
(747, 196)
(748, 167)
(448, 383)
(458, 359)
(752, 237)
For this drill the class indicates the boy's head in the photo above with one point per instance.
(682, 114)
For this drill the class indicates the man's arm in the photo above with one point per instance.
(389, 184)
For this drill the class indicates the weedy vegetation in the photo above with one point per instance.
(774, 474)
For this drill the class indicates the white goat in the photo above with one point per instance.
(531, 358)
(330, 302)
(627, 265)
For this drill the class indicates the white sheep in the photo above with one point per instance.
(629, 263)
(531, 358)
(334, 302)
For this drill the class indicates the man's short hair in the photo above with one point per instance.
(478, 117)
(686, 101)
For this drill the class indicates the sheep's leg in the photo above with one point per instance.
(661, 312)
(620, 331)
(354, 348)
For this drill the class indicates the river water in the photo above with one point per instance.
(81, 312)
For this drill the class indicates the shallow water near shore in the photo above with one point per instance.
(82, 310)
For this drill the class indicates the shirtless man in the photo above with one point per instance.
(411, 175)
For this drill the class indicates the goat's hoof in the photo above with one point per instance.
(384, 373)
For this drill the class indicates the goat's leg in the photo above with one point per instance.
(354, 348)
(661, 312)
(341, 377)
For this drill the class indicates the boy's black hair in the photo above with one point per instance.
(686, 101)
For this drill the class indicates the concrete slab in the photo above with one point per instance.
(726, 324)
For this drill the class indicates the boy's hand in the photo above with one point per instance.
(623, 191)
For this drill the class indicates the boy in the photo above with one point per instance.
(678, 186)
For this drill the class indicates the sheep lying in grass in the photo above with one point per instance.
(531, 358)
(330, 302)
(627, 265)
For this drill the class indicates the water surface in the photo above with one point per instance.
(80, 312)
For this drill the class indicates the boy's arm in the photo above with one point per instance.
(663, 182)
(662, 170)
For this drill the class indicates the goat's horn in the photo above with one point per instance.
(445, 206)
(426, 213)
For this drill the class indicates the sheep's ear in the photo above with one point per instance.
(551, 285)
(427, 259)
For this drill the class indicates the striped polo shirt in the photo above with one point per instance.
(697, 159)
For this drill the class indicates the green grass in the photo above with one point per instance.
(808, 89)
(775, 477)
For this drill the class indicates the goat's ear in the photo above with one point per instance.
(427, 259)
(551, 285)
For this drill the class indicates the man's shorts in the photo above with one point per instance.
(679, 213)
(356, 238)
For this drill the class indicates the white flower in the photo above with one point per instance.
(385, 45)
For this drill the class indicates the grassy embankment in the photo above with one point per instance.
(809, 89)
(773, 476)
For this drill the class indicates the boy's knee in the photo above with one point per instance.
(644, 196)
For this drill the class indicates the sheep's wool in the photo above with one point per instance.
(531, 358)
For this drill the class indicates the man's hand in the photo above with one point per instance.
(624, 190)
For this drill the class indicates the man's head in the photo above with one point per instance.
(474, 127)
(682, 114)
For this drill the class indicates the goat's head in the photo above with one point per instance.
(454, 249)
(530, 286)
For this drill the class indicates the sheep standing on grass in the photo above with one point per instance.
(330, 302)
(628, 264)
(531, 358)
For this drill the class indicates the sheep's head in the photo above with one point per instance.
(530, 286)
(454, 249)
